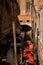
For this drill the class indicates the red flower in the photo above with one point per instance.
(30, 57)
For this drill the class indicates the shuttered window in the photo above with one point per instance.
(27, 5)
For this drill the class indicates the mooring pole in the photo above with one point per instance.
(14, 33)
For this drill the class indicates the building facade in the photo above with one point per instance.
(28, 13)
(25, 12)
(39, 8)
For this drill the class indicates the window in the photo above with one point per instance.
(27, 20)
(27, 5)
(20, 20)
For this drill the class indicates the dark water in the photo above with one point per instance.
(4, 63)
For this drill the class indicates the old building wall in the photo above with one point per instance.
(39, 5)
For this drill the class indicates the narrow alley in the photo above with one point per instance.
(21, 32)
